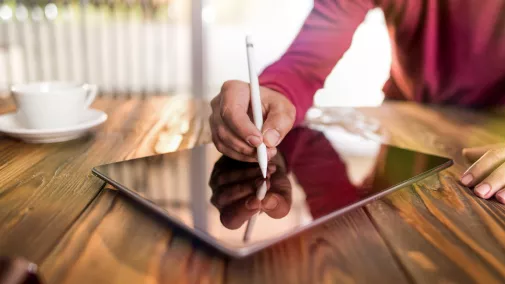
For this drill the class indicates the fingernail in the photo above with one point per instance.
(482, 190)
(500, 196)
(252, 203)
(254, 141)
(271, 202)
(271, 137)
(467, 179)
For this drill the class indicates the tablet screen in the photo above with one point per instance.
(315, 174)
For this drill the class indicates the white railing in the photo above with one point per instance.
(145, 47)
(126, 49)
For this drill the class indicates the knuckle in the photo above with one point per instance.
(228, 85)
(221, 133)
(219, 200)
(214, 202)
(241, 189)
(495, 154)
(223, 111)
(214, 103)
(218, 203)
(220, 147)
(243, 150)
(228, 112)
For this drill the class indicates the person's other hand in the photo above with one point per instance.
(487, 173)
(234, 185)
(233, 131)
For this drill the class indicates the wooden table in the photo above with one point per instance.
(56, 214)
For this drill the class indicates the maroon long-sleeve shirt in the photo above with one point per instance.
(444, 51)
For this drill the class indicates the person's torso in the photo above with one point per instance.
(447, 51)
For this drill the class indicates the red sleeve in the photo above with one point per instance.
(323, 39)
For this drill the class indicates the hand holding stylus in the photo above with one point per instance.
(233, 131)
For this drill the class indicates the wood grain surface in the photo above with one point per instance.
(437, 228)
(56, 214)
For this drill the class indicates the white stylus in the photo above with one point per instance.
(260, 195)
(256, 104)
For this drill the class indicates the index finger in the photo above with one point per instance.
(233, 216)
(483, 167)
(474, 153)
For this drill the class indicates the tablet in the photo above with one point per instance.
(316, 175)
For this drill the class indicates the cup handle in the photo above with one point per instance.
(92, 92)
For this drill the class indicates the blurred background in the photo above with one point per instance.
(169, 47)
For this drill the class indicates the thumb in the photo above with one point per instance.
(280, 118)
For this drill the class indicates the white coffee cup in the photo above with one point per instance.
(44, 105)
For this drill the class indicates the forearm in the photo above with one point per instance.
(323, 39)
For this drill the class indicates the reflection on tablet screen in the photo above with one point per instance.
(313, 175)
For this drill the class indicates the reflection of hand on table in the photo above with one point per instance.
(234, 185)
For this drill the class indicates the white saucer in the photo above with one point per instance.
(10, 126)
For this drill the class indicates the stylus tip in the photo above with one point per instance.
(263, 159)
(264, 171)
